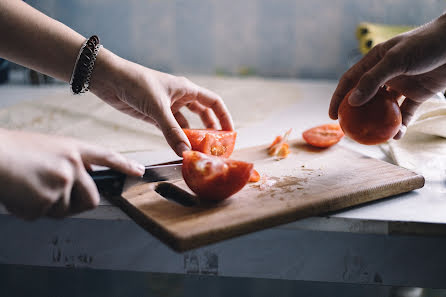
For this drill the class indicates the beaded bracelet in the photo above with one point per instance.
(83, 68)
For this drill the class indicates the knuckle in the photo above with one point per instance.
(172, 132)
(73, 159)
(64, 176)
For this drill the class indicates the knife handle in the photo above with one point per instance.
(108, 182)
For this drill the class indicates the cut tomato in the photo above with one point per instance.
(280, 147)
(323, 136)
(212, 142)
(255, 176)
(214, 178)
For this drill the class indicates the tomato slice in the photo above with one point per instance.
(255, 176)
(214, 178)
(323, 136)
(212, 142)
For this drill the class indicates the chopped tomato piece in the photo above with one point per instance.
(280, 147)
(323, 136)
(276, 141)
(212, 142)
(214, 178)
(255, 176)
(284, 151)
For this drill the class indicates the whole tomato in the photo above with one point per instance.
(374, 122)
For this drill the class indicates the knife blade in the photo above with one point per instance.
(112, 182)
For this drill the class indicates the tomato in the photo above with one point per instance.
(212, 142)
(374, 122)
(275, 142)
(323, 136)
(280, 147)
(214, 178)
(255, 176)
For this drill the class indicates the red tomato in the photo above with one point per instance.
(214, 178)
(212, 142)
(374, 122)
(323, 136)
(255, 176)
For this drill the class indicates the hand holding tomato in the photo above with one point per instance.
(413, 64)
(157, 98)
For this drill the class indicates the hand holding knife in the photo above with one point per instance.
(112, 182)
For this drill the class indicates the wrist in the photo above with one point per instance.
(105, 75)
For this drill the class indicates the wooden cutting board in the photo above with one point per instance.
(308, 182)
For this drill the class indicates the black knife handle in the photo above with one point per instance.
(108, 182)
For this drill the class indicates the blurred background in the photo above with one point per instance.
(274, 38)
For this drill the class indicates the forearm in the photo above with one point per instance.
(34, 40)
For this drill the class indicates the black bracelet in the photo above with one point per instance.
(83, 68)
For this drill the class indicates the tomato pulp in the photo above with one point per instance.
(374, 122)
(323, 136)
(212, 142)
(214, 178)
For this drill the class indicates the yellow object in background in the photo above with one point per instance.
(370, 34)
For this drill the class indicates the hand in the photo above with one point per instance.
(46, 175)
(412, 64)
(157, 98)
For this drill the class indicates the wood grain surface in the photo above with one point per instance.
(309, 182)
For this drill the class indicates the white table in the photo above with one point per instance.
(396, 241)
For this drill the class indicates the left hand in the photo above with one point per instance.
(157, 98)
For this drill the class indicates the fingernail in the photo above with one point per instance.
(181, 147)
(139, 167)
(355, 98)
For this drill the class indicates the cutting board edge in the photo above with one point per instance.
(179, 244)
(161, 233)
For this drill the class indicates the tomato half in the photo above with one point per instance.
(214, 178)
(323, 136)
(212, 142)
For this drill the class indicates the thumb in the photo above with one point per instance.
(173, 133)
(372, 80)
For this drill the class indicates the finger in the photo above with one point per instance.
(386, 69)
(92, 154)
(60, 208)
(84, 195)
(408, 108)
(214, 102)
(172, 131)
(351, 78)
(206, 114)
(181, 119)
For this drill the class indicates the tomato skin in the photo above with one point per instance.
(254, 177)
(214, 178)
(323, 136)
(374, 122)
(212, 142)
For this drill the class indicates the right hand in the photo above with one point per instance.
(43, 175)
(413, 64)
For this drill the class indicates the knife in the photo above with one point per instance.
(112, 182)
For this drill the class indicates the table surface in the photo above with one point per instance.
(351, 246)
(419, 210)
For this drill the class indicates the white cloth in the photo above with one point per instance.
(423, 147)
